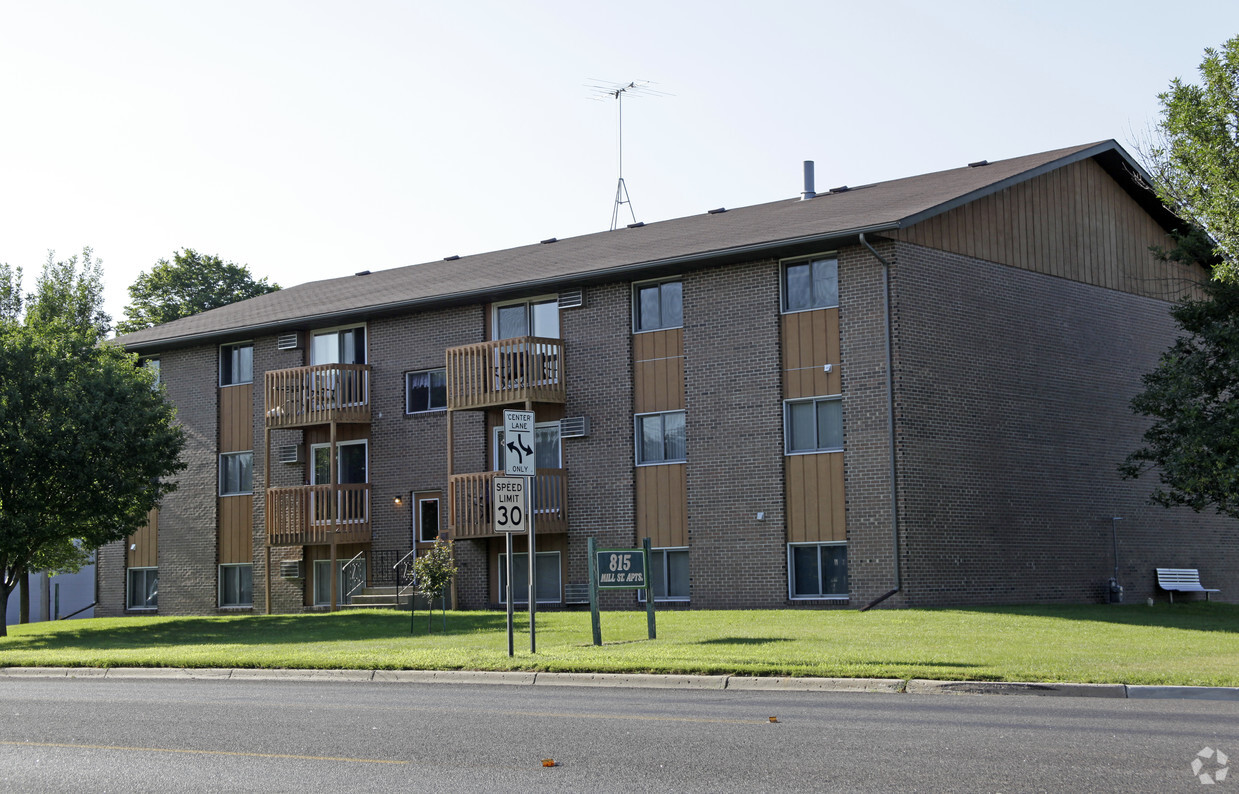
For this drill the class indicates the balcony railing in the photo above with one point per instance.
(470, 495)
(311, 515)
(504, 372)
(317, 395)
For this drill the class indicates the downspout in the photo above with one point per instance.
(890, 422)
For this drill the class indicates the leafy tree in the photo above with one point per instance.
(1193, 399)
(1194, 155)
(86, 440)
(433, 572)
(189, 284)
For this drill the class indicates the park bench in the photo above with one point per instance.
(1183, 580)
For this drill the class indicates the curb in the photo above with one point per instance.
(916, 686)
(920, 686)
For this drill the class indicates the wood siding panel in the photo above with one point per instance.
(810, 341)
(815, 509)
(236, 529)
(143, 545)
(662, 504)
(658, 371)
(1075, 222)
(236, 418)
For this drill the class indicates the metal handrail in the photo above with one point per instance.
(361, 585)
(400, 590)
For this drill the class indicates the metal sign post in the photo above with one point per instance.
(520, 460)
(509, 497)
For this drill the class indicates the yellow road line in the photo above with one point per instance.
(199, 752)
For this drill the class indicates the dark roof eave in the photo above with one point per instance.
(789, 246)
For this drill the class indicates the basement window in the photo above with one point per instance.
(817, 570)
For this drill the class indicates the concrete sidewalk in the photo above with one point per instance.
(916, 686)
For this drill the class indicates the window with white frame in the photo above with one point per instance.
(425, 391)
(657, 305)
(661, 438)
(813, 425)
(338, 346)
(817, 570)
(236, 473)
(143, 588)
(811, 284)
(548, 451)
(427, 520)
(533, 317)
(151, 365)
(236, 585)
(669, 574)
(548, 578)
(350, 580)
(236, 363)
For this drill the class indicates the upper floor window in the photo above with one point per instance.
(814, 425)
(548, 449)
(657, 305)
(151, 365)
(236, 363)
(339, 346)
(352, 459)
(425, 391)
(661, 438)
(236, 473)
(811, 284)
(536, 317)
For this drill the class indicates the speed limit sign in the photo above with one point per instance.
(511, 505)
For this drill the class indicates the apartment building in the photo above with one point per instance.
(914, 390)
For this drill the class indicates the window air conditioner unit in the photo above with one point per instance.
(288, 341)
(292, 569)
(574, 427)
(571, 299)
(288, 453)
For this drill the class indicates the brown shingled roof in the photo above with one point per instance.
(668, 245)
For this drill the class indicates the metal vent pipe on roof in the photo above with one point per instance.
(808, 181)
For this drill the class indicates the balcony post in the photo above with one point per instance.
(334, 506)
(266, 510)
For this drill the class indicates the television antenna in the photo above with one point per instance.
(601, 91)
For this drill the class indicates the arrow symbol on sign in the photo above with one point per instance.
(519, 451)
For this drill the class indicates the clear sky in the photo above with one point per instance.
(310, 140)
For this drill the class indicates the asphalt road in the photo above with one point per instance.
(98, 735)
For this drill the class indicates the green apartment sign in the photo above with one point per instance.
(621, 569)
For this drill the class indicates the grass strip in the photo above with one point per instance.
(1184, 644)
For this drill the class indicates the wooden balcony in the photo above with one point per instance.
(317, 395)
(469, 500)
(505, 372)
(311, 515)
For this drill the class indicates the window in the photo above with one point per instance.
(236, 364)
(547, 448)
(814, 425)
(151, 365)
(811, 284)
(425, 391)
(143, 588)
(660, 438)
(350, 463)
(817, 570)
(236, 585)
(657, 305)
(548, 578)
(669, 571)
(538, 317)
(427, 520)
(236, 473)
(351, 579)
(339, 346)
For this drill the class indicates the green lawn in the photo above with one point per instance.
(1185, 644)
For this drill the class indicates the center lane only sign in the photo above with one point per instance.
(511, 505)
